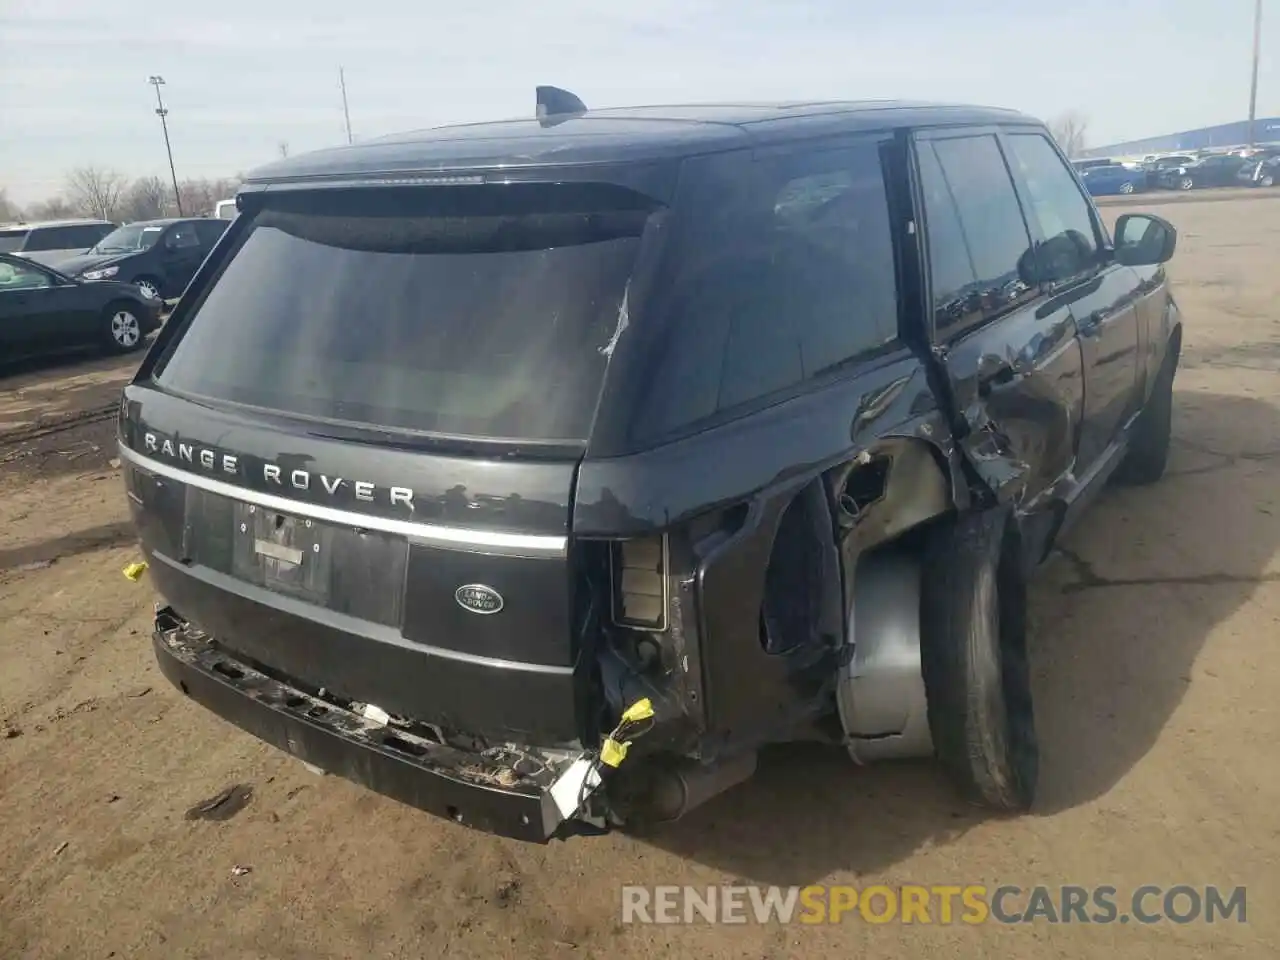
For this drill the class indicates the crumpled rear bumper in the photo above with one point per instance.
(439, 779)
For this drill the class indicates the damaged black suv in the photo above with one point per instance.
(540, 473)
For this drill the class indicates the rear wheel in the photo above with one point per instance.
(974, 661)
(1126, 187)
(121, 328)
(1185, 183)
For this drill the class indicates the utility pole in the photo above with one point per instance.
(161, 112)
(346, 113)
(1253, 85)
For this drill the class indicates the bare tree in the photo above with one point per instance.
(283, 146)
(94, 192)
(200, 196)
(55, 208)
(1070, 129)
(145, 199)
(8, 209)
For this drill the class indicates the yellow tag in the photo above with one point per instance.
(612, 753)
(135, 570)
(640, 710)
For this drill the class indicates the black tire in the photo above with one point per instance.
(974, 661)
(1149, 448)
(119, 335)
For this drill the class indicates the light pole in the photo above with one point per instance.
(161, 112)
(1253, 85)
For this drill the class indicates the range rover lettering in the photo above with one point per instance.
(538, 474)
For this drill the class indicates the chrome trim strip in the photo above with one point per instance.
(376, 632)
(534, 544)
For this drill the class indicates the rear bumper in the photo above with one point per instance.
(415, 771)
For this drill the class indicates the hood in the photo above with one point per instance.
(88, 261)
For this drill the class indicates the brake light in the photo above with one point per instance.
(640, 590)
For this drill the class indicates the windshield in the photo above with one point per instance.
(128, 239)
(11, 240)
(478, 311)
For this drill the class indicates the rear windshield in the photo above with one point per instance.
(11, 240)
(474, 311)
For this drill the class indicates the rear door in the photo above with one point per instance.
(181, 253)
(35, 312)
(1010, 350)
(209, 232)
(1077, 271)
(355, 458)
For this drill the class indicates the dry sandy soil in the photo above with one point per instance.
(1156, 699)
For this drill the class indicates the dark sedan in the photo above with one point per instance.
(42, 310)
(158, 256)
(1216, 170)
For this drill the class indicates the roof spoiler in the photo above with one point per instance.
(556, 105)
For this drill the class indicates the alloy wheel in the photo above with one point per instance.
(125, 329)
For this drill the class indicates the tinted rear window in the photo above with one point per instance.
(469, 311)
(54, 238)
(780, 270)
(11, 240)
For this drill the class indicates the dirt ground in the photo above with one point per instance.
(1156, 702)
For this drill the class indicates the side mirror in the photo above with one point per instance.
(1144, 240)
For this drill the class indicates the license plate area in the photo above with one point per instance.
(284, 553)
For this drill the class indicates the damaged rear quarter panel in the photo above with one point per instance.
(763, 459)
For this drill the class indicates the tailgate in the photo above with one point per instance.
(436, 587)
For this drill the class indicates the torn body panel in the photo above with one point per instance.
(1019, 388)
(897, 486)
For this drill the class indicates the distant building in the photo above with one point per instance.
(1265, 130)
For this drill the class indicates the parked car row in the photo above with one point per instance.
(52, 240)
(1257, 167)
(159, 256)
(111, 293)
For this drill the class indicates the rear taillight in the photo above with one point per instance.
(640, 590)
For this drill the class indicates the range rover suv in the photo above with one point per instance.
(539, 473)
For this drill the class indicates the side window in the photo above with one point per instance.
(49, 238)
(209, 231)
(826, 291)
(976, 233)
(80, 238)
(15, 276)
(92, 234)
(183, 237)
(950, 268)
(776, 270)
(1070, 244)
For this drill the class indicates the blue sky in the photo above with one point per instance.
(244, 75)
